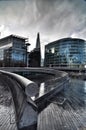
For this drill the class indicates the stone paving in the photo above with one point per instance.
(7, 112)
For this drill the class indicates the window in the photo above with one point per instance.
(1, 54)
(52, 50)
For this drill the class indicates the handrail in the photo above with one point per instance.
(26, 109)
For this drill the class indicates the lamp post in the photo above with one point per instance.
(27, 44)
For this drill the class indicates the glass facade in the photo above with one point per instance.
(12, 51)
(69, 52)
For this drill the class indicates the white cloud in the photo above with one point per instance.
(5, 31)
(1, 27)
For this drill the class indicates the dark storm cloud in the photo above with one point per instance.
(52, 18)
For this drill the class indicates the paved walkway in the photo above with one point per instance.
(7, 114)
(67, 111)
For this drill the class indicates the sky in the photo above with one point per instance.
(53, 19)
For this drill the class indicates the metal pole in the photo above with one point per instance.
(27, 44)
(27, 55)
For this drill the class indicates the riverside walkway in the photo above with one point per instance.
(17, 110)
(62, 106)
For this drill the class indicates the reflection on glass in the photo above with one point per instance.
(41, 89)
(33, 98)
(85, 87)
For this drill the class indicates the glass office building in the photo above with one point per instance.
(66, 52)
(12, 51)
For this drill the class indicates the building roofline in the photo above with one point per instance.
(12, 35)
(65, 39)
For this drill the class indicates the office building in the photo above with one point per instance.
(66, 52)
(13, 51)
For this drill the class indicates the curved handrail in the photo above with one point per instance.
(26, 109)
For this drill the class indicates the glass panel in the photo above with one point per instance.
(1, 54)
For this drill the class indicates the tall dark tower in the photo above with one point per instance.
(38, 50)
(35, 55)
(38, 41)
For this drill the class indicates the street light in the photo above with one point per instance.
(27, 44)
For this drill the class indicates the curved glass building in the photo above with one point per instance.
(66, 52)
